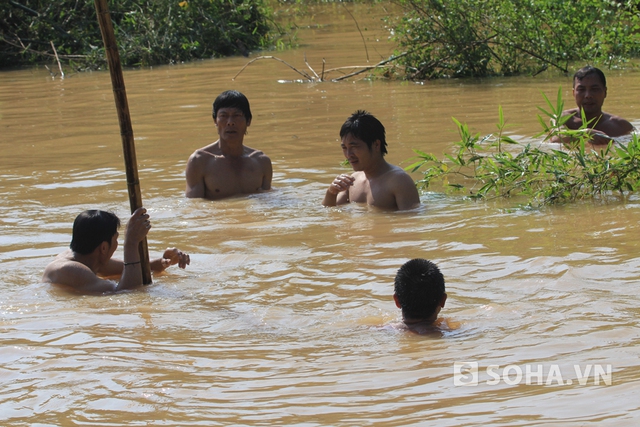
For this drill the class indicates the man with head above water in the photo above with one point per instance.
(374, 181)
(419, 292)
(589, 92)
(227, 167)
(87, 265)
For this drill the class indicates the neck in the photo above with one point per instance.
(420, 321)
(231, 149)
(379, 168)
(90, 260)
(593, 116)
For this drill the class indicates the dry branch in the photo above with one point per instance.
(360, 68)
(302, 73)
(55, 52)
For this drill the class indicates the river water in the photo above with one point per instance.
(277, 319)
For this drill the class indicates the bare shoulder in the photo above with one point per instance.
(404, 189)
(399, 176)
(358, 176)
(252, 152)
(75, 275)
(206, 152)
(202, 159)
(617, 126)
(64, 271)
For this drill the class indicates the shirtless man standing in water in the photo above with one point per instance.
(374, 181)
(589, 92)
(227, 167)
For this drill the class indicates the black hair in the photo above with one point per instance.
(91, 228)
(587, 71)
(232, 99)
(419, 286)
(363, 125)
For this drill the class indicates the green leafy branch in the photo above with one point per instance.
(496, 166)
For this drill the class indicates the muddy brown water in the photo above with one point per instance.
(276, 321)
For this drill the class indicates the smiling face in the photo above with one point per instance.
(359, 155)
(232, 124)
(589, 93)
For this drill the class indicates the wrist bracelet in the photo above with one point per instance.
(131, 263)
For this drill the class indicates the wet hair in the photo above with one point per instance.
(91, 228)
(419, 286)
(363, 125)
(587, 71)
(232, 99)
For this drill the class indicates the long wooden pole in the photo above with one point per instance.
(126, 131)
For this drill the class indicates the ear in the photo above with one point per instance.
(442, 301)
(103, 249)
(395, 298)
(248, 122)
(376, 145)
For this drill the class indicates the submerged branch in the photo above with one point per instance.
(315, 78)
(302, 73)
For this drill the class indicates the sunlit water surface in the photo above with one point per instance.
(277, 319)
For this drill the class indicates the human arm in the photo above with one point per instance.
(591, 136)
(131, 270)
(78, 277)
(597, 132)
(170, 257)
(338, 191)
(195, 177)
(267, 172)
(405, 192)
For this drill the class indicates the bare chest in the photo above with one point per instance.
(225, 177)
(374, 192)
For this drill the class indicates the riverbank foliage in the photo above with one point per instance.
(473, 38)
(148, 31)
(496, 166)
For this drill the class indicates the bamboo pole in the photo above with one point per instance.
(126, 131)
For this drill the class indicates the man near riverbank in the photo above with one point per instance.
(589, 92)
(87, 265)
(228, 167)
(374, 181)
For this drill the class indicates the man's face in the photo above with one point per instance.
(357, 152)
(589, 94)
(114, 245)
(231, 124)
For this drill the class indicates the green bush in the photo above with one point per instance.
(497, 166)
(464, 38)
(148, 31)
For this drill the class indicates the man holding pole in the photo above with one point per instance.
(87, 265)
(228, 167)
